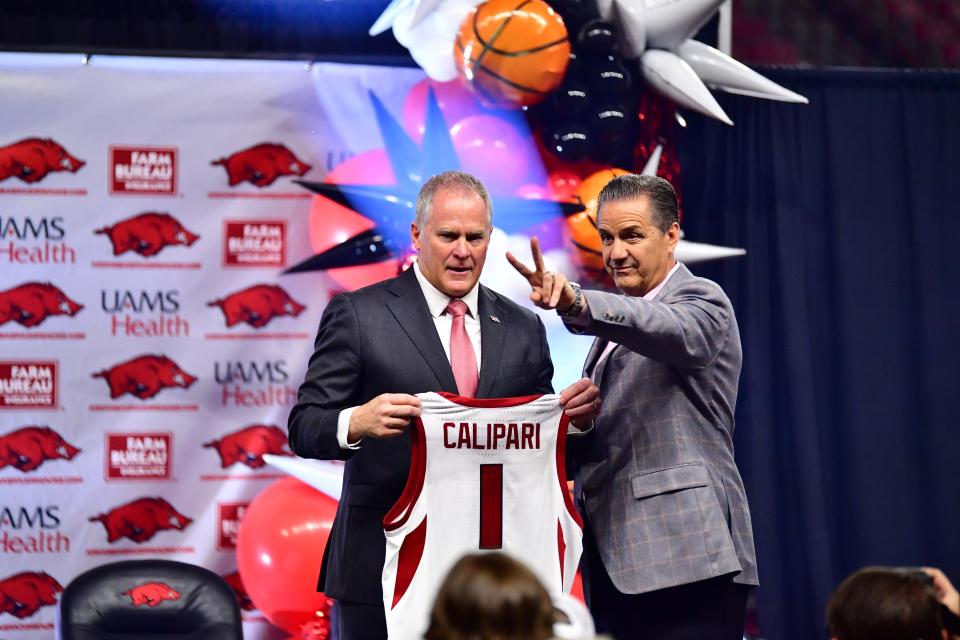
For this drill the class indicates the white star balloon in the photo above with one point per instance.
(326, 477)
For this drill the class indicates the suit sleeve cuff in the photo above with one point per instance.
(343, 430)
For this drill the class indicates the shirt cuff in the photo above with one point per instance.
(343, 430)
(575, 431)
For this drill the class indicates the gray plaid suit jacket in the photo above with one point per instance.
(656, 475)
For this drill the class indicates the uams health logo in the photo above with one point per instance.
(147, 234)
(22, 594)
(138, 456)
(26, 448)
(248, 445)
(28, 384)
(145, 376)
(141, 519)
(257, 305)
(152, 594)
(262, 164)
(143, 170)
(229, 516)
(255, 243)
(32, 159)
(141, 313)
(30, 303)
(34, 240)
(29, 530)
(254, 383)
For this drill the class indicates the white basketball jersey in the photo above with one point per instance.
(484, 475)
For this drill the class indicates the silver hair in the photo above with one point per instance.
(631, 186)
(453, 180)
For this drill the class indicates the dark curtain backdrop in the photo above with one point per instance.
(848, 302)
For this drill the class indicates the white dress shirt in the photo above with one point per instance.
(437, 302)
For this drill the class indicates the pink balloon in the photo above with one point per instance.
(533, 192)
(331, 224)
(279, 548)
(494, 150)
(454, 100)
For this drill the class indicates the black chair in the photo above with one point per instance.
(148, 600)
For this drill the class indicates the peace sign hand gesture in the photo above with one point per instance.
(550, 289)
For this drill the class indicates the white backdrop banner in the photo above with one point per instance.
(150, 349)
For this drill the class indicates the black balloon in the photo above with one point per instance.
(575, 13)
(614, 150)
(571, 99)
(610, 78)
(598, 38)
(577, 68)
(570, 142)
(610, 120)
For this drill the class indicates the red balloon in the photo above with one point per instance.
(330, 223)
(562, 184)
(493, 149)
(279, 547)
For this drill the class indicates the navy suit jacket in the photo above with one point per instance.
(382, 339)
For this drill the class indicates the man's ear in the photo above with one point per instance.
(673, 235)
(415, 235)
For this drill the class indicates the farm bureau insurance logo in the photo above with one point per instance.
(255, 243)
(27, 530)
(138, 456)
(28, 384)
(143, 170)
(229, 515)
(35, 240)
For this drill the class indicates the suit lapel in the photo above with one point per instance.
(492, 335)
(410, 310)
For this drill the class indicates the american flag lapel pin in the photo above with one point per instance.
(495, 319)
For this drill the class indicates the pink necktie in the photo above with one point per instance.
(463, 360)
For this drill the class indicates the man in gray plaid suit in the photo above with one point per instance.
(668, 545)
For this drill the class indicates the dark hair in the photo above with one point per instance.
(491, 597)
(631, 186)
(885, 603)
(454, 180)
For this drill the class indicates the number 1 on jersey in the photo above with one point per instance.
(491, 506)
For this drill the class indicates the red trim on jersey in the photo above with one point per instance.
(408, 560)
(400, 511)
(488, 403)
(562, 469)
(561, 547)
(491, 506)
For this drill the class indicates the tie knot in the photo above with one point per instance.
(457, 308)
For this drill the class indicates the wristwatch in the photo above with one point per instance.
(573, 310)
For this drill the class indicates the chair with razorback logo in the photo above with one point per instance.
(146, 600)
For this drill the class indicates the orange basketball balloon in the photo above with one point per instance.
(580, 229)
(512, 52)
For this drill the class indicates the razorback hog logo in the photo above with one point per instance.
(147, 233)
(23, 593)
(236, 584)
(145, 376)
(32, 302)
(248, 445)
(32, 159)
(141, 519)
(29, 447)
(257, 305)
(151, 594)
(262, 164)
